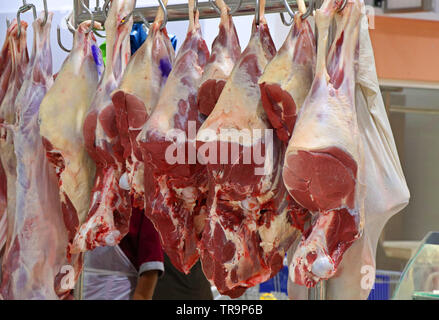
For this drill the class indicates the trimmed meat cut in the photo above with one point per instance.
(323, 164)
(35, 263)
(137, 96)
(61, 117)
(110, 207)
(175, 183)
(225, 52)
(251, 222)
(288, 77)
(14, 64)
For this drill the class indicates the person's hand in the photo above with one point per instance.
(146, 285)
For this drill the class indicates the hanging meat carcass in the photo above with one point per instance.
(225, 52)
(386, 189)
(324, 160)
(61, 117)
(5, 73)
(35, 263)
(14, 63)
(175, 184)
(250, 223)
(137, 96)
(110, 207)
(288, 77)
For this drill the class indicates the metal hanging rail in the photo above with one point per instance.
(178, 12)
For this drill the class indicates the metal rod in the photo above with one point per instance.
(178, 12)
(401, 109)
(318, 292)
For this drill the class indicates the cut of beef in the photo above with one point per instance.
(324, 157)
(251, 222)
(137, 95)
(61, 117)
(225, 52)
(110, 207)
(175, 184)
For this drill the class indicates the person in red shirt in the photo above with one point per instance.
(127, 271)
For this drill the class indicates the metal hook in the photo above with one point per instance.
(105, 7)
(46, 13)
(195, 6)
(90, 29)
(165, 13)
(26, 7)
(58, 36)
(257, 13)
(343, 5)
(309, 10)
(231, 11)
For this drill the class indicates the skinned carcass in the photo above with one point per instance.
(35, 264)
(250, 215)
(110, 207)
(5, 73)
(14, 64)
(61, 117)
(386, 189)
(174, 181)
(137, 95)
(225, 52)
(324, 160)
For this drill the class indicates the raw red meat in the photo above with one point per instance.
(174, 190)
(61, 117)
(324, 157)
(35, 264)
(251, 222)
(137, 96)
(14, 64)
(110, 207)
(225, 52)
(288, 77)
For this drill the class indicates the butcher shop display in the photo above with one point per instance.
(248, 162)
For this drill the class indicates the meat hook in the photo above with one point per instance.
(24, 8)
(343, 5)
(257, 13)
(58, 36)
(165, 13)
(231, 11)
(90, 29)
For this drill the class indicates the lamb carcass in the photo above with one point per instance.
(35, 263)
(110, 207)
(288, 77)
(5, 73)
(14, 63)
(175, 184)
(324, 161)
(137, 96)
(61, 117)
(225, 52)
(387, 191)
(250, 224)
